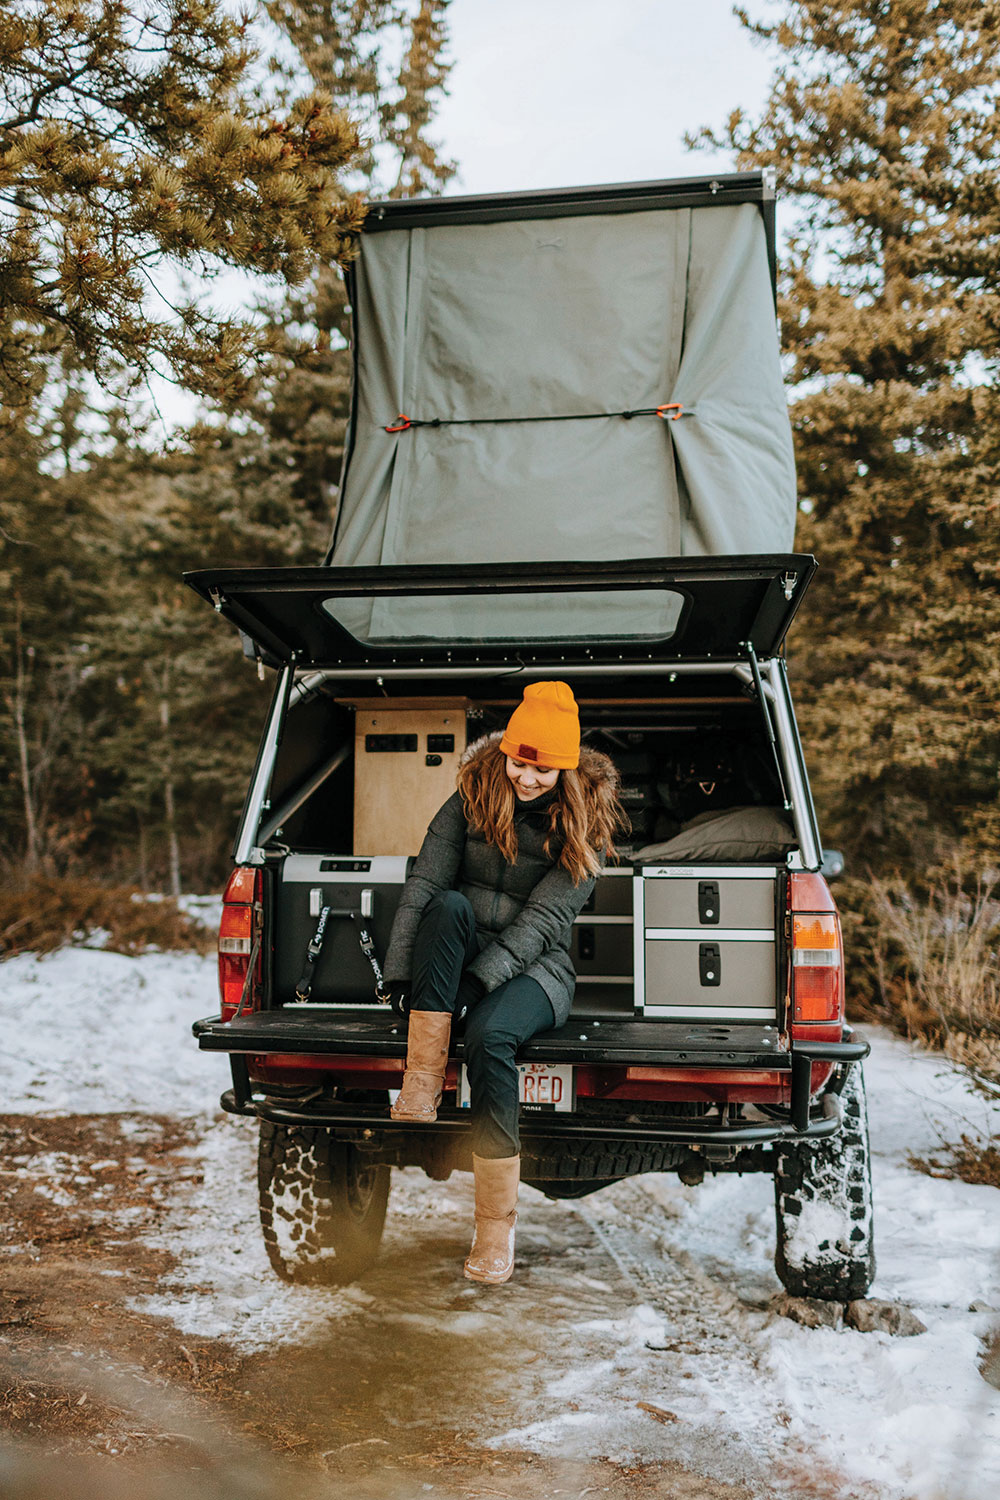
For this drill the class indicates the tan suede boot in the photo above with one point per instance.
(426, 1063)
(491, 1258)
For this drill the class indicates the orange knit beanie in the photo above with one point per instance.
(545, 728)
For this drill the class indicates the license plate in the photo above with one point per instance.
(546, 1086)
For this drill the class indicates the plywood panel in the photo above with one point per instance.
(400, 780)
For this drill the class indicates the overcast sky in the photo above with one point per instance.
(555, 93)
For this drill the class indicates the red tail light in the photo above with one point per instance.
(239, 944)
(817, 953)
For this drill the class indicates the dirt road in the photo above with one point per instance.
(135, 1353)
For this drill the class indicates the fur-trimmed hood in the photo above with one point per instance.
(597, 771)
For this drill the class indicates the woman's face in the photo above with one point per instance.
(530, 781)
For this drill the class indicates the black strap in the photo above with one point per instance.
(368, 949)
(669, 411)
(304, 987)
(248, 981)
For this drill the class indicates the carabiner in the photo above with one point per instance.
(404, 423)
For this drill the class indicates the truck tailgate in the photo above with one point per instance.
(380, 1033)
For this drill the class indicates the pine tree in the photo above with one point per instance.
(387, 65)
(135, 145)
(50, 582)
(343, 48)
(141, 718)
(883, 127)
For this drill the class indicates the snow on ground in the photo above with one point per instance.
(670, 1302)
(89, 1032)
(912, 1412)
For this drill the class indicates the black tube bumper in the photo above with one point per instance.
(367, 1124)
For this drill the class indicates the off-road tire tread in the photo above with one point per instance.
(328, 1242)
(836, 1170)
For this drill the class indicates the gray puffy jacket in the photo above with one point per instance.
(524, 911)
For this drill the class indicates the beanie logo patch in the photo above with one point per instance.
(527, 752)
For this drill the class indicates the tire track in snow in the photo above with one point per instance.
(732, 1418)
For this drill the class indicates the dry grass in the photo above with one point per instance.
(929, 966)
(936, 966)
(43, 912)
(971, 1160)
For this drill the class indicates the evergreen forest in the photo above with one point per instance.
(154, 156)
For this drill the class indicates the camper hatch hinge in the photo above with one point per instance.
(252, 652)
(788, 582)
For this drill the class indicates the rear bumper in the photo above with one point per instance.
(365, 1124)
(718, 1049)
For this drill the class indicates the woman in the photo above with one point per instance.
(483, 930)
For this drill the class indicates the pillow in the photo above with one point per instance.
(744, 833)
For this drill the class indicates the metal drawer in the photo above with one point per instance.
(711, 977)
(711, 898)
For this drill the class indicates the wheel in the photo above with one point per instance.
(322, 1206)
(823, 1205)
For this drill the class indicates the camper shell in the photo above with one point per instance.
(599, 366)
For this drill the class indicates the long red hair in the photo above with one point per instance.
(583, 818)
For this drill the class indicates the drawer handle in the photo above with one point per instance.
(710, 964)
(708, 901)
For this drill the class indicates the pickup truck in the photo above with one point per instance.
(568, 458)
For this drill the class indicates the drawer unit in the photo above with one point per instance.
(611, 896)
(705, 942)
(602, 948)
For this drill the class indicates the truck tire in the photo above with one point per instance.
(823, 1205)
(322, 1205)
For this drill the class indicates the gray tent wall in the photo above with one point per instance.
(561, 317)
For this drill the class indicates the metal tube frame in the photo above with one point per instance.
(316, 677)
(292, 804)
(366, 1124)
(803, 812)
(246, 839)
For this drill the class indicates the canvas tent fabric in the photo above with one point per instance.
(564, 318)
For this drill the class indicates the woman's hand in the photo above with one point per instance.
(397, 994)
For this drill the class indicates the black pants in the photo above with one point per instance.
(495, 1024)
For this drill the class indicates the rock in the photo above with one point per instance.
(990, 1367)
(869, 1315)
(808, 1311)
(980, 1306)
